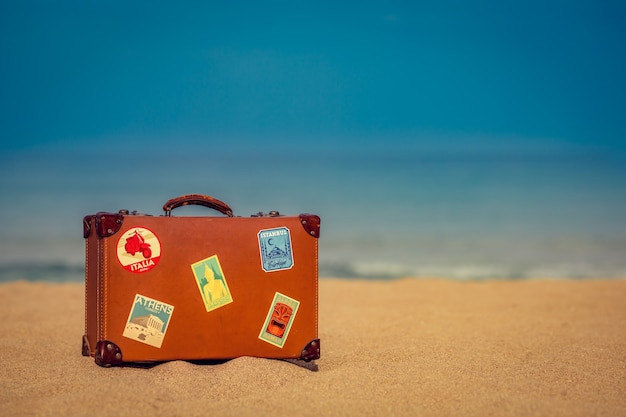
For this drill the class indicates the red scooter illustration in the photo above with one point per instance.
(136, 243)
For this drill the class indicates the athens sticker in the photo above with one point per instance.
(279, 320)
(148, 320)
(275, 247)
(138, 250)
(211, 283)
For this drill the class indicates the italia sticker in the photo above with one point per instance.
(275, 247)
(279, 319)
(138, 250)
(148, 321)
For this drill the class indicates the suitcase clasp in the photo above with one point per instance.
(272, 213)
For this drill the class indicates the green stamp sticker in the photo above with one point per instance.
(279, 319)
(211, 283)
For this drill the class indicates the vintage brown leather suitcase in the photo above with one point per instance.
(169, 287)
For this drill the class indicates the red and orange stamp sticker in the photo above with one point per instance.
(279, 319)
(138, 250)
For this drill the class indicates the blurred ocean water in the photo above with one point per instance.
(384, 214)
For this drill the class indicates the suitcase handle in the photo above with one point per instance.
(197, 199)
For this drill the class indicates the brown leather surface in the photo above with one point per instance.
(229, 331)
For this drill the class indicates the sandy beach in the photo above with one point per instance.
(410, 347)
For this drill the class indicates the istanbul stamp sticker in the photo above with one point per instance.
(275, 247)
(279, 319)
(138, 250)
(211, 283)
(148, 320)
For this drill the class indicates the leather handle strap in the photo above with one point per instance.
(199, 200)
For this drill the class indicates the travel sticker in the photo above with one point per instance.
(138, 250)
(211, 283)
(148, 321)
(275, 247)
(279, 320)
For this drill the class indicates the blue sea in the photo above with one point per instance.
(385, 213)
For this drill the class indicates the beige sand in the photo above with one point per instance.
(406, 348)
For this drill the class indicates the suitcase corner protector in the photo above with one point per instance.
(86, 346)
(311, 351)
(108, 354)
(311, 224)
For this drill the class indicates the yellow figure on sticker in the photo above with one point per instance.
(214, 289)
(211, 283)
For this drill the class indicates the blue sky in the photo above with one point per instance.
(124, 104)
(456, 75)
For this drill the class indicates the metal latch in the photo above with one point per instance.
(132, 213)
(272, 213)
